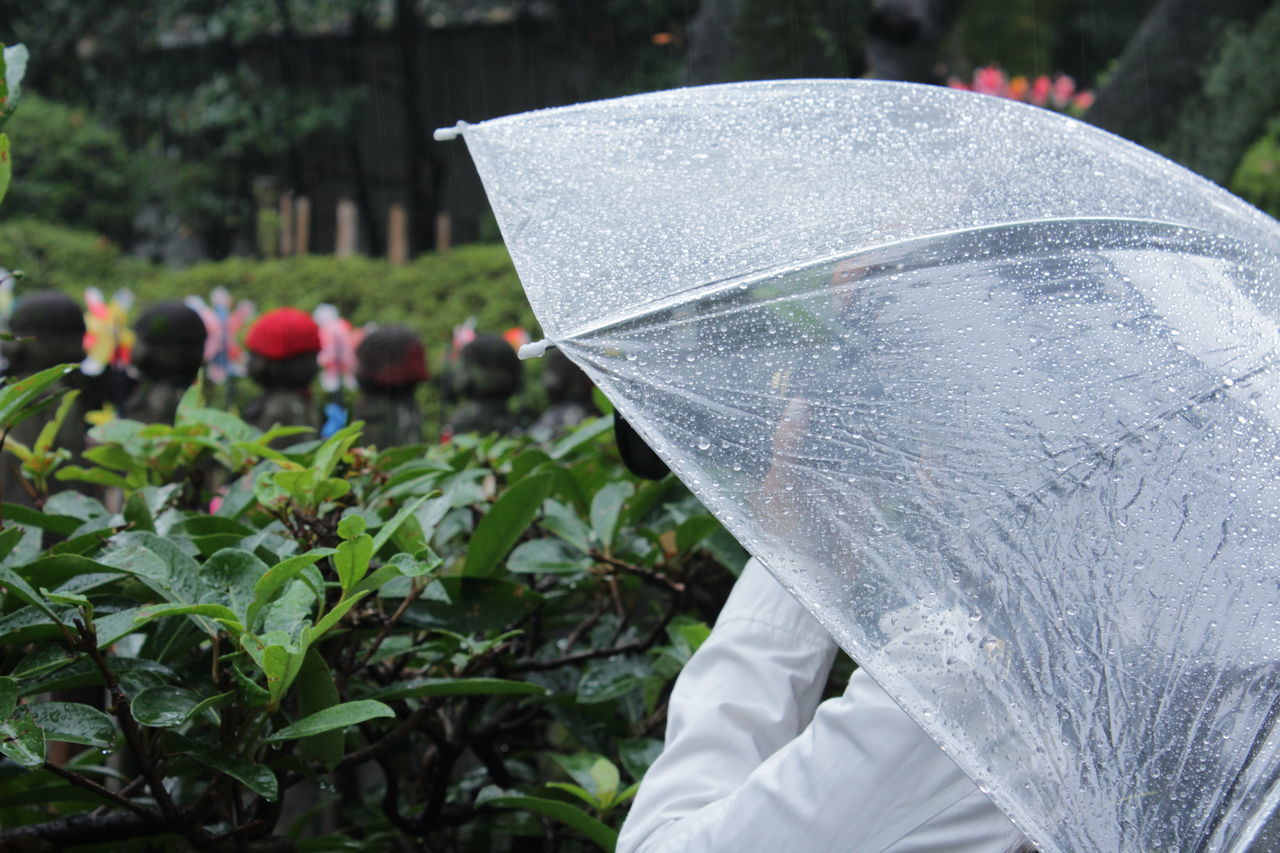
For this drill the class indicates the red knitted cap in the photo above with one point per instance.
(283, 333)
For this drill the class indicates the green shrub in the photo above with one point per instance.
(67, 259)
(71, 169)
(1257, 178)
(460, 648)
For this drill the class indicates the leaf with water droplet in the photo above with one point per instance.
(22, 741)
(73, 722)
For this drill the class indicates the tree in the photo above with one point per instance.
(1197, 82)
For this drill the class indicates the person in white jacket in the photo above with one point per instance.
(753, 762)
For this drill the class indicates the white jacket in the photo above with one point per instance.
(752, 762)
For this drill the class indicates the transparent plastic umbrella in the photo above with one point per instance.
(992, 392)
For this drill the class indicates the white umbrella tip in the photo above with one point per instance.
(444, 134)
(537, 349)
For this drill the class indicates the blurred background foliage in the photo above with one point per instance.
(158, 118)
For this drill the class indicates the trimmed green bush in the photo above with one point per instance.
(67, 259)
(70, 168)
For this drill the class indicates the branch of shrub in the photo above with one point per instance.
(120, 707)
(80, 829)
(648, 575)
(104, 792)
(409, 599)
(640, 645)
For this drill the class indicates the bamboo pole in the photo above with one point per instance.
(302, 225)
(397, 234)
(346, 241)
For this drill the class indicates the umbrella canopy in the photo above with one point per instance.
(992, 392)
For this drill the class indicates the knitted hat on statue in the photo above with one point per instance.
(283, 333)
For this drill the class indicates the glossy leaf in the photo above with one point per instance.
(8, 696)
(550, 556)
(502, 526)
(338, 717)
(22, 740)
(567, 813)
(73, 722)
(420, 687)
(606, 508)
(595, 773)
(164, 706)
(256, 777)
(315, 692)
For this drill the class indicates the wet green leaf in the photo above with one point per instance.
(606, 508)
(420, 687)
(595, 773)
(74, 722)
(22, 740)
(316, 691)
(567, 813)
(338, 717)
(256, 777)
(8, 696)
(503, 525)
(547, 556)
(164, 706)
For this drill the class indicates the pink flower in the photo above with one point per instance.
(1063, 88)
(957, 83)
(1040, 91)
(215, 504)
(1083, 101)
(990, 81)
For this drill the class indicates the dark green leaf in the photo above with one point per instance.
(29, 625)
(606, 507)
(637, 754)
(584, 434)
(209, 525)
(472, 605)
(164, 706)
(256, 777)
(63, 525)
(20, 589)
(420, 687)
(595, 773)
(603, 680)
(22, 740)
(567, 813)
(503, 525)
(551, 556)
(393, 525)
(561, 520)
(316, 691)
(9, 539)
(231, 576)
(527, 461)
(73, 722)
(338, 717)
(275, 577)
(8, 696)
(138, 514)
(693, 530)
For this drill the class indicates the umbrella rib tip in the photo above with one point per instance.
(535, 350)
(444, 134)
